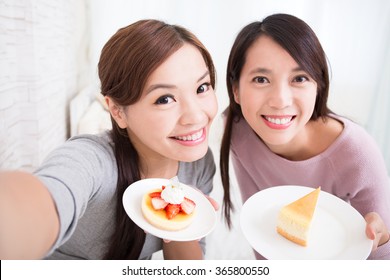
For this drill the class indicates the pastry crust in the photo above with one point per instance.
(291, 237)
(158, 218)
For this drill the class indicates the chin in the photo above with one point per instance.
(276, 141)
(190, 156)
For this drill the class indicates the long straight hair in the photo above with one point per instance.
(126, 62)
(300, 41)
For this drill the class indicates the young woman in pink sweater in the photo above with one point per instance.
(279, 130)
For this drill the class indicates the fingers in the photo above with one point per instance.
(167, 241)
(213, 202)
(372, 229)
(376, 229)
(370, 225)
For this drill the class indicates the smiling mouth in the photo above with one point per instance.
(191, 137)
(279, 120)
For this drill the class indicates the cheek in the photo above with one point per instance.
(249, 104)
(141, 122)
(157, 123)
(305, 107)
(212, 106)
(208, 106)
(150, 131)
(310, 103)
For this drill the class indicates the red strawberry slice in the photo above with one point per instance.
(187, 206)
(172, 210)
(158, 203)
(155, 194)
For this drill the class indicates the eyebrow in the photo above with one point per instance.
(168, 86)
(261, 70)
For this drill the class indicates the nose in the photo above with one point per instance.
(280, 96)
(192, 112)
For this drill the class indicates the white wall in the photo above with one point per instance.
(49, 51)
(42, 58)
(354, 34)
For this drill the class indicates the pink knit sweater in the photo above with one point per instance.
(352, 168)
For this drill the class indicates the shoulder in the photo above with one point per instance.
(244, 139)
(355, 137)
(88, 147)
(204, 163)
(81, 156)
(100, 141)
(358, 147)
(241, 128)
(199, 173)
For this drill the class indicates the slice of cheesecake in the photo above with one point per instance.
(295, 219)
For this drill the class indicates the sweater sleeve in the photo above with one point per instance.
(73, 173)
(364, 180)
(374, 196)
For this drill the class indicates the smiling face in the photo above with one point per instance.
(276, 96)
(172, 119)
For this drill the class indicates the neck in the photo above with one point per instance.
(314, 139)
(299, 148)
(158, 168)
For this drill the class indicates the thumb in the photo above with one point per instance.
(213, 202)
(375, 229)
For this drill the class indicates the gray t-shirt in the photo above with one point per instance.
(81, 176)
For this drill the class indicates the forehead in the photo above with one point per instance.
(186, 62)
(265, 52)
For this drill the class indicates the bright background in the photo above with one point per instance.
(355, 36)
(49, 52)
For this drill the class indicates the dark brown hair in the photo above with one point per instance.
(126, 62)
(300, 41)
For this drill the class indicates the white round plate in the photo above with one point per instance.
(203, 223)
(337, 230)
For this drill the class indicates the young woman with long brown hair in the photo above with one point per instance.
(158, 81)
(280, 131)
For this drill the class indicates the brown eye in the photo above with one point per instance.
(203, 88)
(261, 80)
(300, 79)
(166, 99)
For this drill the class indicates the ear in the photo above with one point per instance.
(236, 93)
(116, 112)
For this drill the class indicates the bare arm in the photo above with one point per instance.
(29, 222)
(189, 250)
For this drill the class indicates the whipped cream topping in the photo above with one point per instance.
(173, 193)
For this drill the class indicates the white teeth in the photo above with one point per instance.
(279, 120)
(191, 137)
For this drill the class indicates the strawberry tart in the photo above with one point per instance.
(167, 208)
